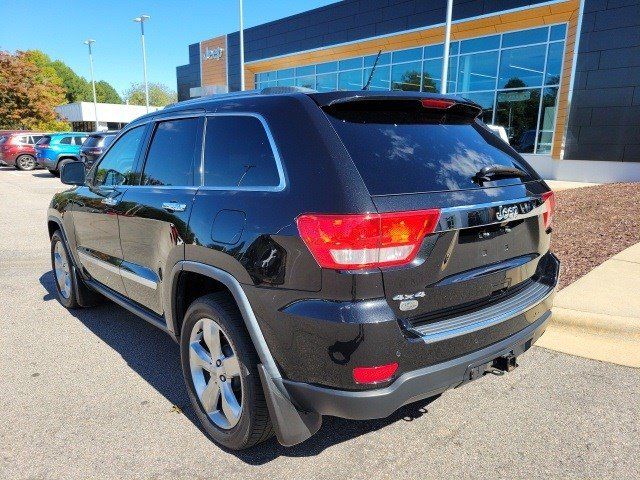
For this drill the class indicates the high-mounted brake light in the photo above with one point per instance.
(437, 103)
(549, 204)
(377, 374)
(361, 241)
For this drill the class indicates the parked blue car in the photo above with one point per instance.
(56, 149)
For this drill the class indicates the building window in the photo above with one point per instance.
(514, 77)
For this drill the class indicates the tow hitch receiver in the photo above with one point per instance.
(506, 363)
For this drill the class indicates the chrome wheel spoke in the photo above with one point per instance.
(211, 336)
(230, 406)
(216, 373)
(199, 356)
(210, 396)
(231, 366)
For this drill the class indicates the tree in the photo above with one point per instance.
(29, 90)
(105, 93)
(76, 87)
(159, 95)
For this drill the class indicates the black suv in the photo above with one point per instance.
(94, 145)
(314, 254)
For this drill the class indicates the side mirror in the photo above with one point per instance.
(73, 173)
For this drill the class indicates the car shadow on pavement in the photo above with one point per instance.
(43, 175)
(154, 356)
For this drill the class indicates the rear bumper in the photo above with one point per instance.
(411, 386)
(46, 163)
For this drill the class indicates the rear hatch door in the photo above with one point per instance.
(420, 152)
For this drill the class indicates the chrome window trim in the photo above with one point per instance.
(282, 184)
(138, 279)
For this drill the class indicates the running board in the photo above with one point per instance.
(137, 310)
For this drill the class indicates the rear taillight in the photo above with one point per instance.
(378, 374)
(360, 241)
(549, 206)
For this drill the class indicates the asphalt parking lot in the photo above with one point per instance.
(98, 393)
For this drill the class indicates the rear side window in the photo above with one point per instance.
(44, 140)
(79, 140)
(398, 152)
(238, 154)
(171, 156)
(65, 141)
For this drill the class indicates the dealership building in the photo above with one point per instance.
(562, 77)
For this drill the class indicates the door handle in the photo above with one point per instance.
(110, 201)
(174, 206)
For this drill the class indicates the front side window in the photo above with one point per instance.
(238, 154)
(170, 160)
(117, 165)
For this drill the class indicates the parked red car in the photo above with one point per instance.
(16, 149)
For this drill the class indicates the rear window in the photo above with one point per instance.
(407, 152)
(93, 141)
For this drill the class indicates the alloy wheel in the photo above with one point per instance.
(26, 162)
(62, 270)
(215, 371)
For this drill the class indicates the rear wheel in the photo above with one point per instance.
(63, 272)
(25, 162)
(219, 364)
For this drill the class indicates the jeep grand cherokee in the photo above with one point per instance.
(314, 254)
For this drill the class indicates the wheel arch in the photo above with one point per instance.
(172, 307)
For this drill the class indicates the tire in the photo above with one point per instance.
(63, 272)
(25, 162)
(253, 424)
(61, 164)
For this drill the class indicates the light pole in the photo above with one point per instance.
(88, 42)
(141, 19)
(445, 56)
(241, 47)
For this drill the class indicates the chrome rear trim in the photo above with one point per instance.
(486, 317)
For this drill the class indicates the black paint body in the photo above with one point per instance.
(319, 324)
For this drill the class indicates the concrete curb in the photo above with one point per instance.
(597, 323)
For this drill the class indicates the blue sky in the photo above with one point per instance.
(58, 27)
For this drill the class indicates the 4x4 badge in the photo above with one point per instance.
(408, 301)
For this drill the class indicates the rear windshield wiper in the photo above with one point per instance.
(485, 174)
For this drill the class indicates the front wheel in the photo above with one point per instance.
(219, 365)
(63, 272)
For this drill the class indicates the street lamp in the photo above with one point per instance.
(447, 41)
(88, 42)
(241, 47)
(141, 19)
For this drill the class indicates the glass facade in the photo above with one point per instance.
(514, 76)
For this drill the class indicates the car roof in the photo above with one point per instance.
(58, 134)
(322, 99)
(106, 133)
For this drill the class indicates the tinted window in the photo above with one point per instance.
(79, 140)
(171, 155)
(398, 152)
(93, 141)
(238, 153)
(65, 141)
(43, 140)
(36, 138)
(525, 37)
(477, 71)
(522, 67)
(116, 166)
